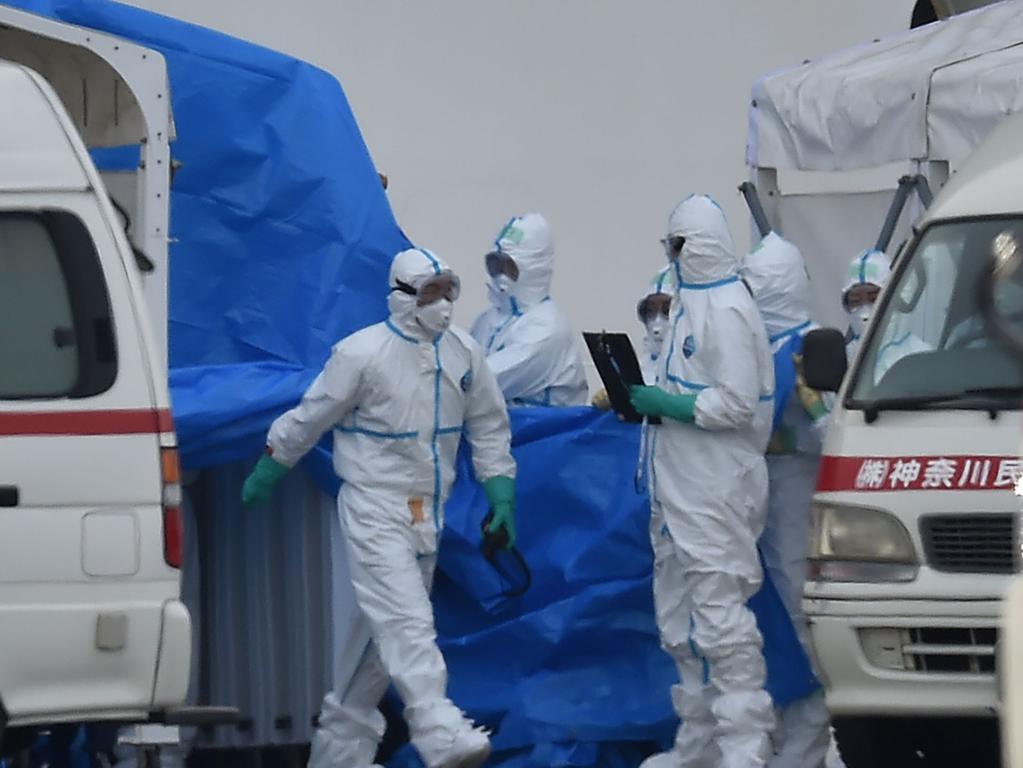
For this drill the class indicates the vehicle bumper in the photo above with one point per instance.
(56, 673)
(945, 650)
(173, 664)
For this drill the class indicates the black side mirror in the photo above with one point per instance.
(824, 359)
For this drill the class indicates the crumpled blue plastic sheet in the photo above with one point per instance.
(281, 230)
(571, 673)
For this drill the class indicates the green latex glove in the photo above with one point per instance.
(260, 484)
(501, 497)
(654, 401)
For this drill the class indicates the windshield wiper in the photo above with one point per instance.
(872, 408)
(1013, 392)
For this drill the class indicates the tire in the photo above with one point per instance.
(908, 742)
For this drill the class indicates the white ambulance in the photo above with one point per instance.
(915, 523)
(91, 624)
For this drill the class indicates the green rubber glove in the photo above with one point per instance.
(501, 497)
(260, 484)
(654, 401)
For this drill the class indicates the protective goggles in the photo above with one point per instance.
(653, 305)
(673, 245)
(446, 285)
(499, 263)
(858, 295)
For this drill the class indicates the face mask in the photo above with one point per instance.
(657, 328)
(503, 284)
(499, 292)
(859, 318)
(436, 317)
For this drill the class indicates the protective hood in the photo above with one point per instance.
(528, 241)
(708, 254)
(662, 282)
(412, 267)
(776, 274)
(657, 329)
(869, 267)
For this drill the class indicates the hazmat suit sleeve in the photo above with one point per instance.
(524, 361)
(486, 423)
(731, 401)
(331, 395)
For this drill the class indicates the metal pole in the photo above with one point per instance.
(923, 190)
(749, 192)
(906, 184)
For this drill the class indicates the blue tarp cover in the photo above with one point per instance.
(571, 674)
(282, 238)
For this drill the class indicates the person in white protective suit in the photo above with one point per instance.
(708, 483)
(777, 276)
(867, 276)
(529, 344)
(653, 311)
(398, 396)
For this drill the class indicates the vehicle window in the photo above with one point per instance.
(56, 338)
(930, 338)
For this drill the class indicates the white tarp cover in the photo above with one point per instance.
(930, 94)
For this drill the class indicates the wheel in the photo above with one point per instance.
(905, 742)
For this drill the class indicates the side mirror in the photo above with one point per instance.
(824, 359)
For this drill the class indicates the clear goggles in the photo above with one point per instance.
(653, 305)
(446, 285)
(500, 263)
(673, 245)
(858, 295)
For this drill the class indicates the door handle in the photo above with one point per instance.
(8, 495)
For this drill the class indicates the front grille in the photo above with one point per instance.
(931, 650)
(978, 543)
(969, 650)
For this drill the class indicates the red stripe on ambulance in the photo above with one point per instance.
(120, 422)
(919, 473)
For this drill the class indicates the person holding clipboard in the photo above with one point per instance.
(708, 483)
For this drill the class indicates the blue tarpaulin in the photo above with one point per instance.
(571, 674)
(282, 236)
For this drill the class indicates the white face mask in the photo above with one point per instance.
(656, 332)
(503, 284)
(500, 292)
(436, 317)
(859, 319)
(657, 328)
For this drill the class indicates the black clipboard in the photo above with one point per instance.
(619, 369)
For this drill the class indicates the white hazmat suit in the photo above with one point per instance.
(398, 397)
(777, 275)
(708, 483)
(874, 268)
(528, 342)
(656, 326)
(871, 267)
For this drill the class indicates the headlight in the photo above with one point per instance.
(859, 544)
